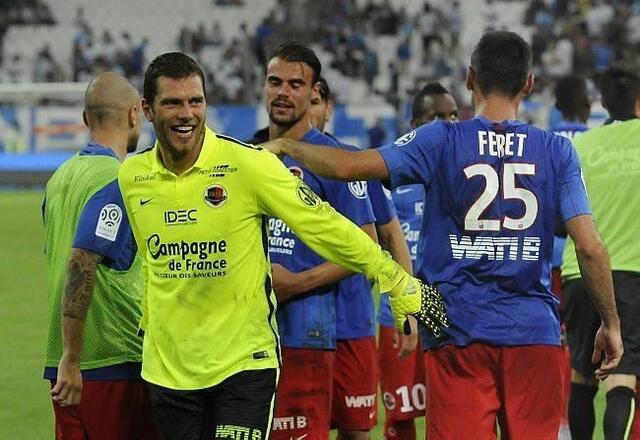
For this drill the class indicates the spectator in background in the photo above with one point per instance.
(45, 69)
(377, 134)
(216, 39)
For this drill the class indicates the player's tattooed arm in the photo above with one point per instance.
(78, 291)
(81, 279)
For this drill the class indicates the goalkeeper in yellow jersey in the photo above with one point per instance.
(198, 203)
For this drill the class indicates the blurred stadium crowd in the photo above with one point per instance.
(375, 50)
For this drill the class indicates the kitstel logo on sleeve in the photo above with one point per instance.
(109, 222)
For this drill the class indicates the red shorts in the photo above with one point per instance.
(401, 381)
(469, 388)
(355, 385)
(108, 409)
(303, 397)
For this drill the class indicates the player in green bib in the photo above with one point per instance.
(610, 157)
(199, 204)
(94, 279)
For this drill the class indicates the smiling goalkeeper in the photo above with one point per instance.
(198, 203)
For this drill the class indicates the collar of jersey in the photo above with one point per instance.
(208, 147)
(94, 149)
(310, 135)
(489, 123)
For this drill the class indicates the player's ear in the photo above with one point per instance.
(148, 111)
(132, 119)
(329, 111)
(528, 85)
(471, 78)
(85, 118)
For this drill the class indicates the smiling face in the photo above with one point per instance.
(288, 91)
(178, 114)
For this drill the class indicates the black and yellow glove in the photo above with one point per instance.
(424, 301)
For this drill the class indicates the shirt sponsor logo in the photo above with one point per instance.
(144, 177)
(196, 259)
(495, 248)
(145, 201)
(281, 239)
(238, 432)
(291, 422)
(360, 401)
(109, 222)
(405, 139)
(180, 217)
(220, 170)
(215, 195)
(307, 196)
(358, 189)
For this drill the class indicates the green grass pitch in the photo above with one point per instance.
(25, 408)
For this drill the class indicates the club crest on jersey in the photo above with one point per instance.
(405, 139)
(358, 188)
(215, 195)
(307, 196)
(297, 171)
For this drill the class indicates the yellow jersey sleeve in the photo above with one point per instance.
(332, 236)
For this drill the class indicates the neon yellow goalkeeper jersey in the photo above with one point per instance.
(209, 308)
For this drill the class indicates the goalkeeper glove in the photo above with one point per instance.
(412, 297)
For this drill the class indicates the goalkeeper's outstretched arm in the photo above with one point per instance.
(336, 239)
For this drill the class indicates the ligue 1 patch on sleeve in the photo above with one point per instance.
(109, 222)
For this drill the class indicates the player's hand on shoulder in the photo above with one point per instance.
(424, 301)
(68, 387)
(276, 146)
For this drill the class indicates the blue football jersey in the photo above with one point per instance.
(568, 130)
(492, 195)
(309, 321)
(409, 203)
(355, 311)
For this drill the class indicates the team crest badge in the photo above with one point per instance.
(215, 195)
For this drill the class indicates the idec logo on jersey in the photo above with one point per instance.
(405, 139)
(180, 217)
(215, 195)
